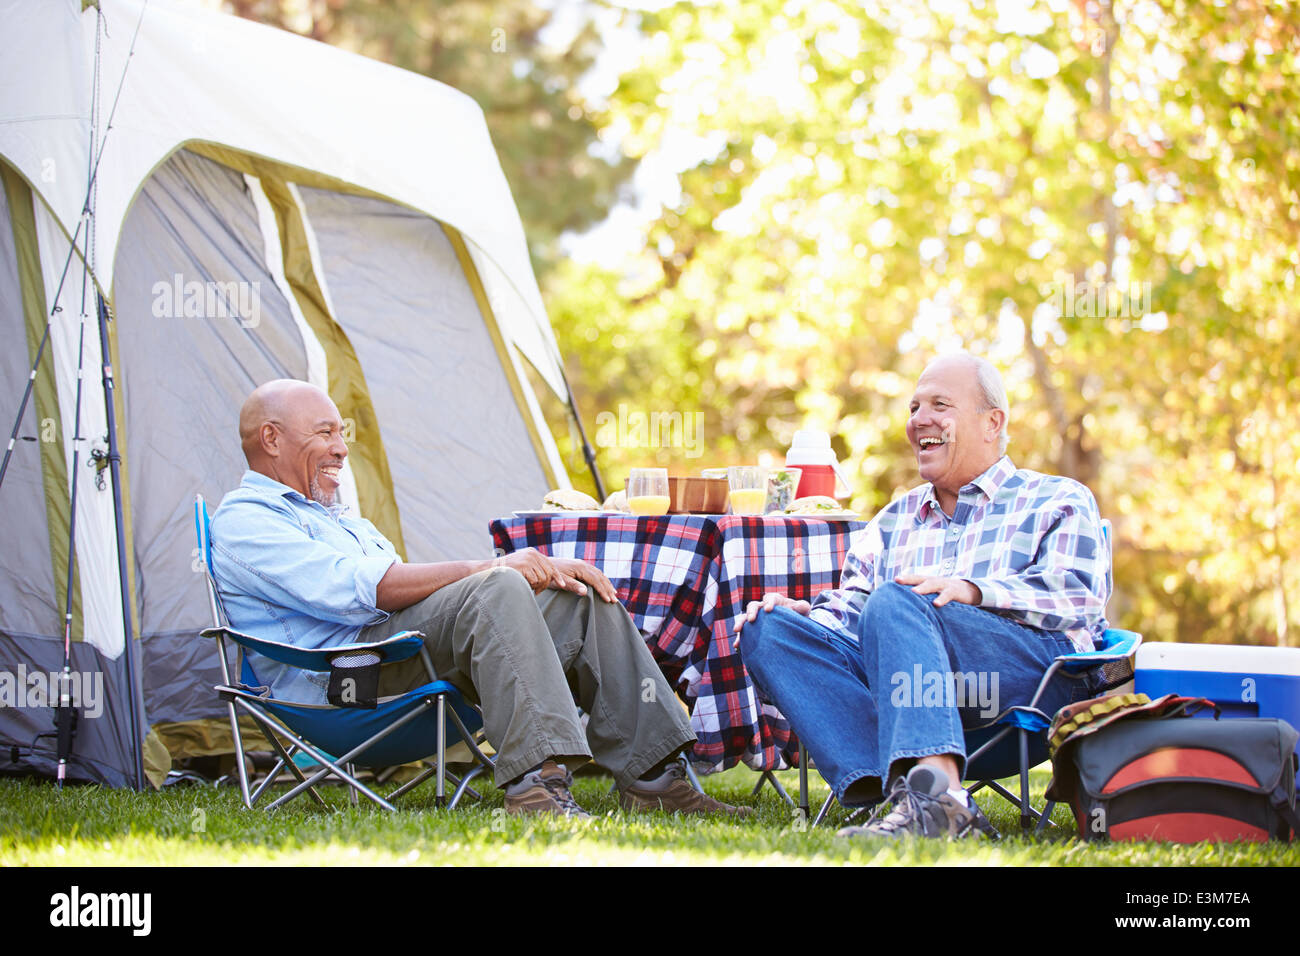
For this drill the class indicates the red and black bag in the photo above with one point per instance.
(1135, 769)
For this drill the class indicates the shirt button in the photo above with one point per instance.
(954, 530)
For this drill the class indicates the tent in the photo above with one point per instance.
(261, 206)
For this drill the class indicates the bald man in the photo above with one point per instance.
(953, 603)
(523, 634)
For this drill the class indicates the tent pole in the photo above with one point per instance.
(114, 463)
(588, 453)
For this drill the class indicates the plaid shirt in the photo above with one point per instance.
(1033, 545)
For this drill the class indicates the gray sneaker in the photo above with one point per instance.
(545, 790)
(920, 805)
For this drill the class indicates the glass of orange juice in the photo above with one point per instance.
(748, 484)
(647, 491)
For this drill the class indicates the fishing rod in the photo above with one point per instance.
(65, 713)
(85, 215)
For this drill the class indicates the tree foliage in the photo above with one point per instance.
(1101, 197)
(499, 52)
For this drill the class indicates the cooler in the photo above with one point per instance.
(1243, 681)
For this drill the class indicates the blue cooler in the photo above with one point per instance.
(1244, 681)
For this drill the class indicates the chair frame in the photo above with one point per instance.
(286, 741)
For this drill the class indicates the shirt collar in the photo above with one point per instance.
(988, 482)
(268, 485)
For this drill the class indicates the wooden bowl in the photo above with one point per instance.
(697, 496)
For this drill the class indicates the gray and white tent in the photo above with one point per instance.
(264, 206)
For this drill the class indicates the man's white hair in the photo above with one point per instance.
(995, 395)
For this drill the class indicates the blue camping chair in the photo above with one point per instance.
(402, 729)
(1016, 740)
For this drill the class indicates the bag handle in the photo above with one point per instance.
(1194, 706)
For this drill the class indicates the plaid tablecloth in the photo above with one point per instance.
(685, 579)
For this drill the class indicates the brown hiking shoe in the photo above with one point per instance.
(545, 791)
(677, 797)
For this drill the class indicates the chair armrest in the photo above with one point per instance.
(1119, 644)
(399, 647)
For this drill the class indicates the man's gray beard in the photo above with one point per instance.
(319, 496)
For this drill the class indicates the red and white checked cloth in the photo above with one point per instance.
(686, 579)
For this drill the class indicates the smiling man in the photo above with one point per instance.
(524, 634)
(952, 604)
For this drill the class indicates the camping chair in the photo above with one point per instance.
(397, 730)
(1016, 740)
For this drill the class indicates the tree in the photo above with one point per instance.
(512, 57)
(1103, 198)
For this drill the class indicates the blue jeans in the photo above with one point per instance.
(919, 675)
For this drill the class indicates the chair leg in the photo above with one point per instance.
(285, 758)
(690, 772)
(270, 779)
(1026, 812)
(826, 807)
(1045, 818)
(463, 787)
(440, 793)
(768, 777)
(803, 781)
(239, 755)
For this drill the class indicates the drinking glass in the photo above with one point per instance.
(748, 484)
(647, 491)
(782, 485)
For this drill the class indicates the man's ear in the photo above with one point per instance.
(997, 422)
(269, 438)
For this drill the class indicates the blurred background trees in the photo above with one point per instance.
(1102, 197)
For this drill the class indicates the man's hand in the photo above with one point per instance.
(771, 601)
(947, 589)
(539, 571)
(564, 574)
(579, 571)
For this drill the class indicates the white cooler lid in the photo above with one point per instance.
(1223, 658)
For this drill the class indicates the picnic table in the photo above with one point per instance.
(685, 580)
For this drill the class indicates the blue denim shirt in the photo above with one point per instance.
(291, 570)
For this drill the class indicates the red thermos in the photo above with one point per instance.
(811, 451)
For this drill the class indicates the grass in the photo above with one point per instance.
(91, 826)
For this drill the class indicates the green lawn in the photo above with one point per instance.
(41, 826)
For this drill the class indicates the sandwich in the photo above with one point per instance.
(569, 499)
(813, 505)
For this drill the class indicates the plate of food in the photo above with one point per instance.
(570, 503)
(820, 506)
(563, 513)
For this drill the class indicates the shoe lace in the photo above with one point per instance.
(903, 806)
(559, 789)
